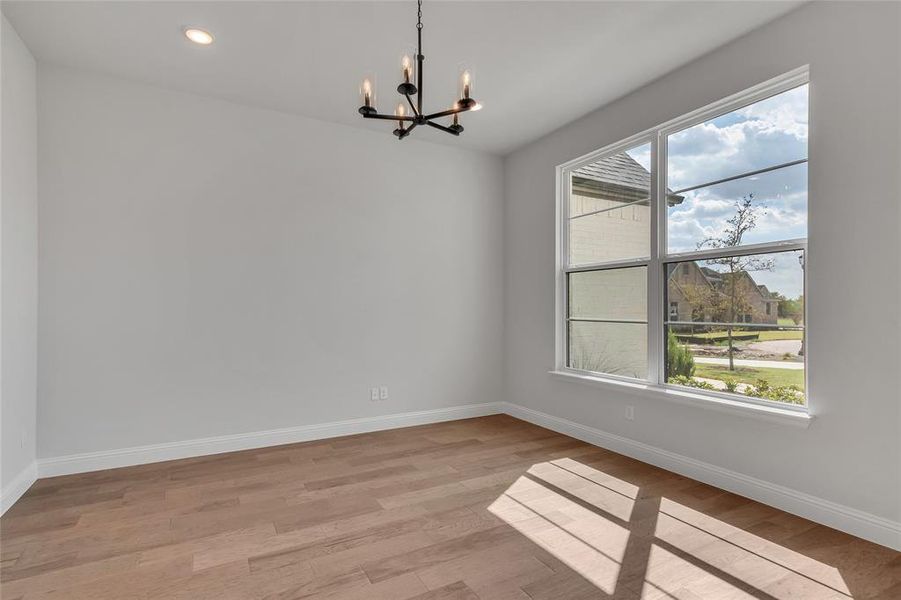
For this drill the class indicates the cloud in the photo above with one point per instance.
(768, 133)
(764, 134)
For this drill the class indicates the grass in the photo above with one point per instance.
(785, 322)
(762, 335)
(792, 334)
(720, 335)
(776, 377)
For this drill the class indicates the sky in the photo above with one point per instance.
(765, 134)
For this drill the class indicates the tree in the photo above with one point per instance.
(732, 297)
(792, 309)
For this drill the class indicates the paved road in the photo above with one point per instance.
(777, 346)
(743, 362)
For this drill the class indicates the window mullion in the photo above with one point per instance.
(741, 176)
(562, 338)
(746, 250)
(605, 266)
(655, 283)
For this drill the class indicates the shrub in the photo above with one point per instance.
(679, 361)
(731, 385)
(790, 394)
(689, 382)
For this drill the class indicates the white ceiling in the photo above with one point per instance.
(537, 65)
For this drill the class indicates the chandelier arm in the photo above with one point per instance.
(448, 112)
(387, 117)
(407, 131)
(442, 128)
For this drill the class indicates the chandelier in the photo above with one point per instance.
(412, 71)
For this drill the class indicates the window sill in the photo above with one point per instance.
(772, 414)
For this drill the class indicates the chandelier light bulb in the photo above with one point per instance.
(407, 66)
(367, 93)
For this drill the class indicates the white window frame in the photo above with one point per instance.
(659, 257)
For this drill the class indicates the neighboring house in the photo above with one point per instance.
(610, 220)
(610, 210)
(697, 293)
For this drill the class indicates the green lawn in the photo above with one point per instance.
(791, 334)
(776, 377)
(718, 336)
(749, 335)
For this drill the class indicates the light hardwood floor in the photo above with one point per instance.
(490, 508)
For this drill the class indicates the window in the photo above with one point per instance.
(703, 287)
(607, 308)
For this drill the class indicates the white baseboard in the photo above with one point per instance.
(844, 518)
(140, 455)
(867, 526)
(18, 486)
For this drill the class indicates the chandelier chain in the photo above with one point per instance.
(419, 15)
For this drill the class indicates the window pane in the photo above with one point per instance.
(764, 134)
(772, 206)
(737, 324)
(609, 212)
(610, 294)
(611, 348)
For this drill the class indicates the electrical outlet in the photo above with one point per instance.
(374, 394)
(383, 392)
(630, 413)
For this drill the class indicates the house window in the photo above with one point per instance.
(719, 200)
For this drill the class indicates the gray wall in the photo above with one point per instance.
(851, 451)
(209, 269)
(18, 272)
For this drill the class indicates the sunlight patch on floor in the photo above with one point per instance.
(596, 494)
(595, 524)
(765, 565)
(670, 576)
(619, 486)
(588, 543)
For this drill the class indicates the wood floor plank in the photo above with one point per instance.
(453, 591)
(490, 508)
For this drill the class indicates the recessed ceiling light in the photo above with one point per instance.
(199, 36)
